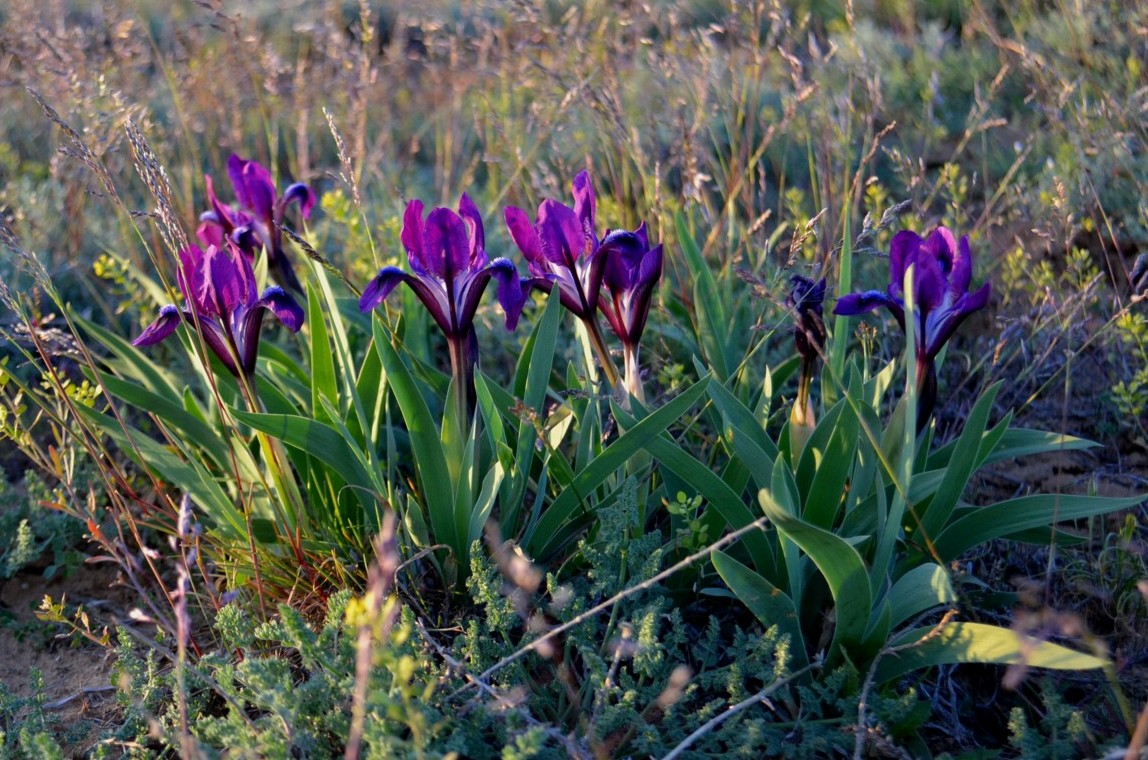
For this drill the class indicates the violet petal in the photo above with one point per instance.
(473, 220)
(902, 251)
(412, 235)
(859, 303)
(510, 291)
(446, 246)
(164, 325)
(585, 206)
(563, 241)
(225, 287)
(523, 234)
(303, 194)
(253, 187)
(380, 287)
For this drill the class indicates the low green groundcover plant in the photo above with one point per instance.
(541, 555)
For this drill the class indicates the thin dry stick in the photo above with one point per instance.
(573, 749)
(741, 706)
(83, 692)
(379, 586)
(863, 702)
(625, 593)
(1139, 736)
(179, 543)
(318, 258)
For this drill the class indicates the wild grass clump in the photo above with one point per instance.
(780, 289)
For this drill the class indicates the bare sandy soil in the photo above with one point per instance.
(77, 689)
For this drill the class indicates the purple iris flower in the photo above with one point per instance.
(261, 212)
(564, 253)
(633, 269)
(449, 268)
(942, 272)
(806, 300)
(449, 272)
(562, 248)
(219, 286)
(222, 222)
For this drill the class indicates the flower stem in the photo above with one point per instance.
(926, 392)
(275, 457)
(462, 371)
(802, 419)
(802, 408)
(633, 370)
(603, 352)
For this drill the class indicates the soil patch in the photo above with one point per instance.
(75, 674)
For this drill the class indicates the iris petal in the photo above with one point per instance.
(253, 187)
(225, 287)
(380, 287)
(164, 325)
(962, 273)
(473, 220)
(446, 247)
(928, 281)
(283, 306)
(942, 324)
(585, 206)
(510, 292)
(560, 232)
(412, 235)
(523, 234)
(902, 251)
(941, 247)
(859, 303)
(304, 195)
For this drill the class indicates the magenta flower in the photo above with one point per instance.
(563, 253)
(562, 248)
(449, 272)
(942, 272)
(449, 268)
(219, 286)
(632, 272)
(222, 222)
(261, 212)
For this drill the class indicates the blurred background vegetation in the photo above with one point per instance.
(1019, 123)
(782, 129)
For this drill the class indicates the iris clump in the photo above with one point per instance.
(562, 249)
(256, 223)
(942, 272)
(450, 270)
(219, 287)
(564, 254)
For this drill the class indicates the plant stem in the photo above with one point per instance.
(462, 371)
(802, 419)
(603, 352)
(633, 372)
(281, 477)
